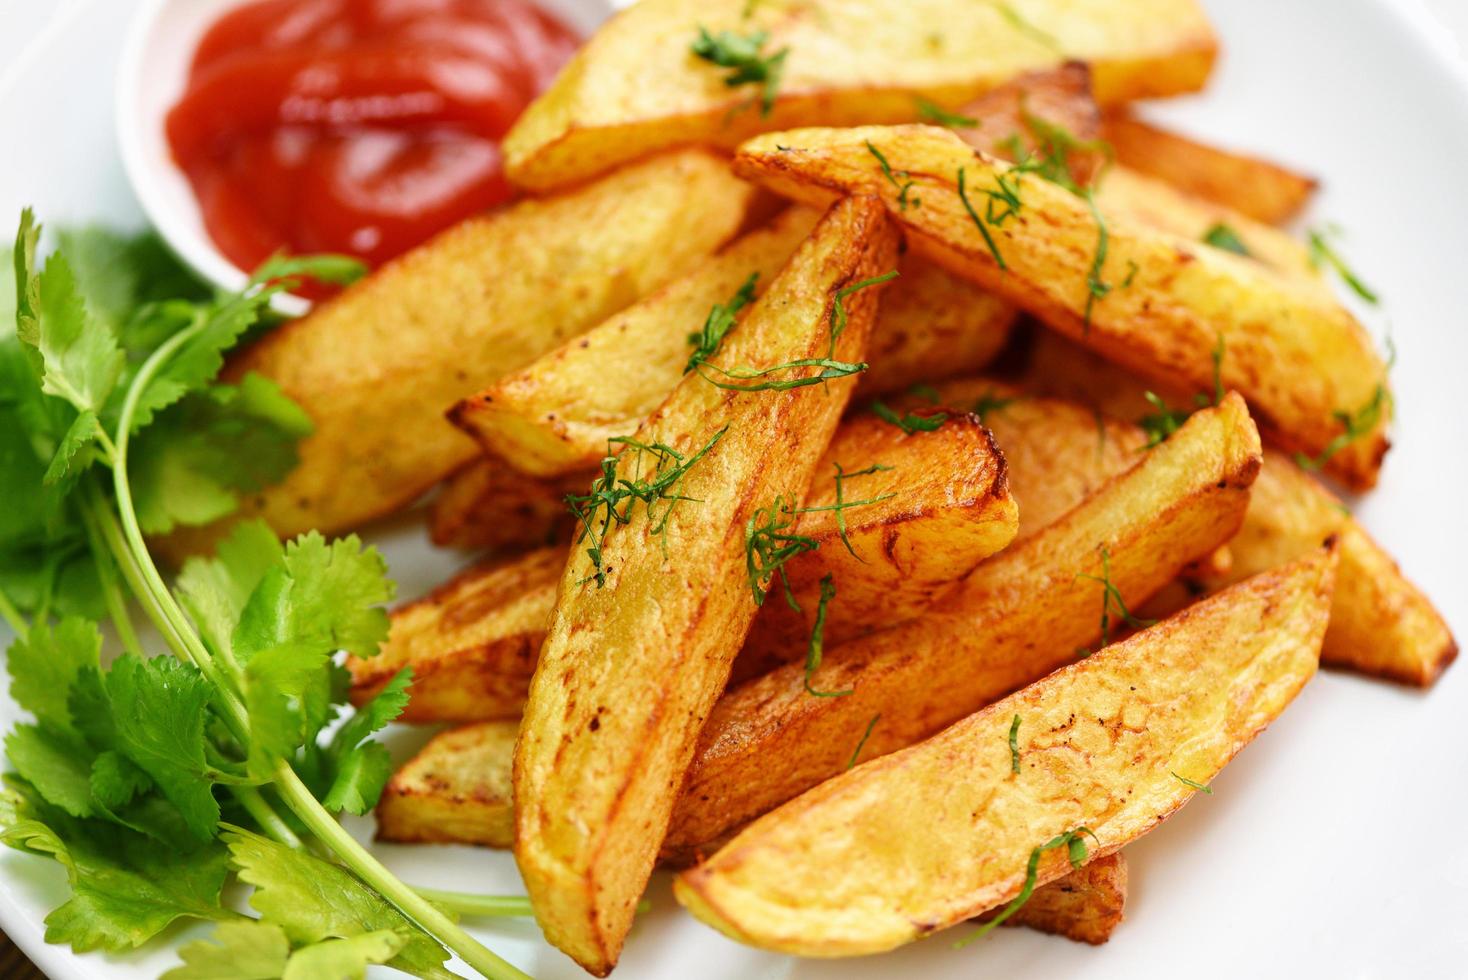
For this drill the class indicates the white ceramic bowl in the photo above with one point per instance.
(151, 76)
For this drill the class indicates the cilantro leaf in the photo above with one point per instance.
(215, 590)
(65, 467)
(360, 769)
(44, 664)
(116, 782)
(81, 356)
(56, 762)
(278, 686)
(346, 959)
(246, 950)
(314, 900)
(158, 709)
(189, 465)
(125, 887)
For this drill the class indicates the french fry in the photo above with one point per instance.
(556, 415)
(939, 504)
(654, 606)
(1381, 624)
(1157, 304)
(848, 62)
(376, 367)
(898, 849)
(1017, 617)
(1266, 192)
(486, 504)
(456, 790)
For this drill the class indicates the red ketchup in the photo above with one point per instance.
(356, 126)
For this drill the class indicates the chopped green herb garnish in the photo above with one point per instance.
(911, 422)
(1224, 237)
(721, 319)
(851, 763)
(926, 392)
(934, 113)
(769, 543)
(613, 498)
(990, 402)
(817, 641)
(1131, 273)
(1096, 288)
(1025, 27)
(1075, 847)
(1014, 745)
(842, 505)
(838, 309)
(904, 187)
(830, 370)
(1112, 602)
(979, 222)
(1357, 424)
(742, 55)
(1323, 253)
(1192, 784)
(1166, 420)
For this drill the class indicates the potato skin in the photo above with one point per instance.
(488, 505)
(1291, 349)
(767, 741)
(1265, 191)
(850, 62)
(376, 367)
(630, 669)
(897, 849)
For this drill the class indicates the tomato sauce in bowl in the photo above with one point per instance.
(356, 126)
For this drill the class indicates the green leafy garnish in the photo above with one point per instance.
(817, 642)
(978, 221)
(769, 543)
(1112, 602)
(910, 422)
(613, 499)
(1224, 237)
(721, 319)
(904, 186)
(1160, 425)
(842, 505)
(856, 754)
(1362, 422)
(838, 308)
(936, 114)
(1323, 253)
(1192, 784)
(1025, 27)
(991, 402)
(1014, 745)
(1075, 847)
(1096, 287)
(926, 392)
(741, 53)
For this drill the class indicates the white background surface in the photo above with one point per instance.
(1332, 847)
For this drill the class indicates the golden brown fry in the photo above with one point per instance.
(456, 790)
(1381, 624)
(376, 367)
(939, 508)
(898, 848)
(1017, 617)
(1022, 109)
(1264, 191)
(1158, 304)
(556, 415)
(849, 62)
(641, 641)
(489, 505)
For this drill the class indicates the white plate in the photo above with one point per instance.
(1331, 847)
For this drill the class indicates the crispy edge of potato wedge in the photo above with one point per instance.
(555, 415)
(456, 790)
(489, 505)
(645, 629)
(375, 367)
(850, 62)
(895, 850)
(1381, 625)
(1019, 616)
(1298, 355)
(473, 643)
(1265, 191)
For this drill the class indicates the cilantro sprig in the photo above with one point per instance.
(148, 776)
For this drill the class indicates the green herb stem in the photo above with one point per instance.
(421, 910)
(272, 823)
(482, 906)
(112, 595)
(12, 616)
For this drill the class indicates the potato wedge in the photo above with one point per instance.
(1296, 354)
(1266, 192)
(1016, 618)
(556, 415)
(897, 849)
(456, 790)
(848, 62)
(653, 609)
(1381, 624)
(474, 642)
(376, 367)
(486, 504)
